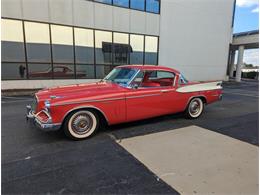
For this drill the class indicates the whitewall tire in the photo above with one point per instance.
(81, 124)
(195, 108)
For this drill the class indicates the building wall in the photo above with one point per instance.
(195, 37)
(83, 13)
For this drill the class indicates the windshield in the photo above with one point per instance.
(121, 76)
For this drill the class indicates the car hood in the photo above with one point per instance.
(90, 90)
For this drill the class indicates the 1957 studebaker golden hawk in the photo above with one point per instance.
(127, 93)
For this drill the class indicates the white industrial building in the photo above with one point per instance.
(57, 42)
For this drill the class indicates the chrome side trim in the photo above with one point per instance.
(88, 101)
(81, 107)
(142, 96)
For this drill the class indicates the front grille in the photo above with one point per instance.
(34, 104)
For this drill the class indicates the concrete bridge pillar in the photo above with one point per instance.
(240, 57)
(232, 63)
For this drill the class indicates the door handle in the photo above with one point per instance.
(164, 91)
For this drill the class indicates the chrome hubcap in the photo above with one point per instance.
(82, 123)
(194, 107)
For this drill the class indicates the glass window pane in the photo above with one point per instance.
(122, 3)
(102, 71)
(84, 45)
(37, 38)
(63, 71)
(152, 6)
(62, 43)
(137, 49)
(103, 41)
(164, 74)
(137, 4)
(121, 48)
(12, 30)
(151, 45)
(85, 72)
(40, 71)
(12, 40)
(105, 1)
(13, 71)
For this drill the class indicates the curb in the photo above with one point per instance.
(19, 92)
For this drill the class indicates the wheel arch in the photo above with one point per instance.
(202, 97)
(98, 111)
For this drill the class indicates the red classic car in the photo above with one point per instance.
(127, 93)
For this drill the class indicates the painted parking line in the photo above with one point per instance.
(196, 160)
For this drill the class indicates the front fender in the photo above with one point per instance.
(114, 111)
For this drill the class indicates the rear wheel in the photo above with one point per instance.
(195, 108)
(81, 124)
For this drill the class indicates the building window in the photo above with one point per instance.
(121, 48)
(85, 71)
(63, 71)
(37, 38)
(137, 47)
(84, 45)
(104, 1)
(13, 71)
(103, 43)
(62, 44)
(121, 3)
(153, 6)
(62, 52)
(102, 71)
(39, 71)
(151, 48)
(12, 41)
(137, 4)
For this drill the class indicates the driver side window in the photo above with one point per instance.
(138, 79)
(158, 79)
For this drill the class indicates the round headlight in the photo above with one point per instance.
(47, 104)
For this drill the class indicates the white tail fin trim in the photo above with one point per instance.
(200, 87)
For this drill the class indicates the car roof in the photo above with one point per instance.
(150, 67)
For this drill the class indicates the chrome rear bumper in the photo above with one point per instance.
(46, 126)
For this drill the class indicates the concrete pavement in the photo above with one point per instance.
(36, 162)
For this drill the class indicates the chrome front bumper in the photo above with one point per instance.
(46, 126)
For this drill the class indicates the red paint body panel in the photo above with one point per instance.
(120, 104)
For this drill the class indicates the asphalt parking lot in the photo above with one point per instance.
(37, 162)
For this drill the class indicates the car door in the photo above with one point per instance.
(151, 99)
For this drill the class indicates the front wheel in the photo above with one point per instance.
(81, 124)
(195, 108)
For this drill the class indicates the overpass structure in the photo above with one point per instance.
(241, 41)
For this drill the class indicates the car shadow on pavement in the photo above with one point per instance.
(147, 126)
